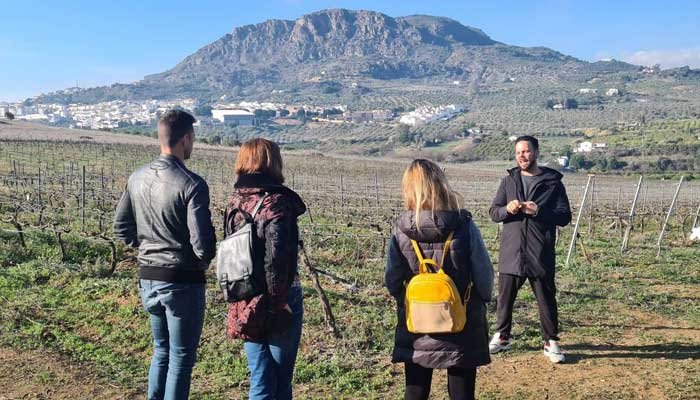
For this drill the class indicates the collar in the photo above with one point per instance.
(547, 173)
(171, 158)
(256, 180)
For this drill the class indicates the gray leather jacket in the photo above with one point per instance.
(164, 211)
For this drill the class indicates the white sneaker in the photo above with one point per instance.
(498, 344)
(553, 351)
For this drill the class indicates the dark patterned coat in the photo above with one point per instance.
(276, 247)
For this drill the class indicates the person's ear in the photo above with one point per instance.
(186, 139)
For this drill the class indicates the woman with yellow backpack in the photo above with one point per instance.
(440, 274)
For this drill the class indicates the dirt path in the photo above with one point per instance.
(37, 375)
(651, 358)
(654, 359)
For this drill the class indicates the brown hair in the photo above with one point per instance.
(425, 187)
(260, 156)
(175, 125)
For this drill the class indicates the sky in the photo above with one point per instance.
(52, 45)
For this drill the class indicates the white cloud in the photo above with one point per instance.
(667, 58)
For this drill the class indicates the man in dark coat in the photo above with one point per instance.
(531, 202)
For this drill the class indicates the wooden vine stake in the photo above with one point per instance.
(668, 216)
(328, 312)
(630, 218)
(581, 208)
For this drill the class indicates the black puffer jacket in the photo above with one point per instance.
(527, 242)
(468, 261)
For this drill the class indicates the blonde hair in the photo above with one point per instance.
(260, 156)
(425, 187)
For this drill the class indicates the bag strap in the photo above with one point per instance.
(468, 293)
(228, 218)
(422, 268)
(446, 250)
(257, 206)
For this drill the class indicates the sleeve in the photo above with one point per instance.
(481, 267)
(202, 235)
(498, 210)
(397, 271)
(124, 221)
(278, 251)
(560, 213)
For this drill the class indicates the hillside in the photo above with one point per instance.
(340, 45)
(366, 60)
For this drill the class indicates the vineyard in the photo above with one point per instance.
(515, 107)
(631, 319)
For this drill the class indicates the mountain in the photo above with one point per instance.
(343, 46)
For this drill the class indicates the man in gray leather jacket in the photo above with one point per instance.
(164, 212)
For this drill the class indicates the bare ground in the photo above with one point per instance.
(653, 358)
(647, 356)
(39, 375)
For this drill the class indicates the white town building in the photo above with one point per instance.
(238, 117)
(587, 147)
(426, 115)
(584, 147)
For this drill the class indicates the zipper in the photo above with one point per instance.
(527, 221)
(523, 231)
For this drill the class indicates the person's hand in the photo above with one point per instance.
(530, 208)
(513, 207)
(286, 307)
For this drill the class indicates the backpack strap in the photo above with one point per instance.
(422, 268)
(249, 218)
(422, 262)
(468, 293)
(446, 250)
(257, 206)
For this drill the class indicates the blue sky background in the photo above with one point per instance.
(50, 45)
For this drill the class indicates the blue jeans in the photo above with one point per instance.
(177, 315)
(271, 362)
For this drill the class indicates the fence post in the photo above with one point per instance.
(82, 202)
(591, 210)
(578, 220)
(15, 174)
(697, 215)
(342, 192)
(376, 191)
(628, 230)
(38, 185)
(668, 216)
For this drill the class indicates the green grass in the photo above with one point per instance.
(74, 309)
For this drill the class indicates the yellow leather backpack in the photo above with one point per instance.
(433, 303)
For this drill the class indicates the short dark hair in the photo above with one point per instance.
(531, 139)
(177, 123)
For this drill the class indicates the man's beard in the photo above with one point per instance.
(527, 165)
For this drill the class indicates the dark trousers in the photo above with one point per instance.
(461, 382)
(545, 293)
